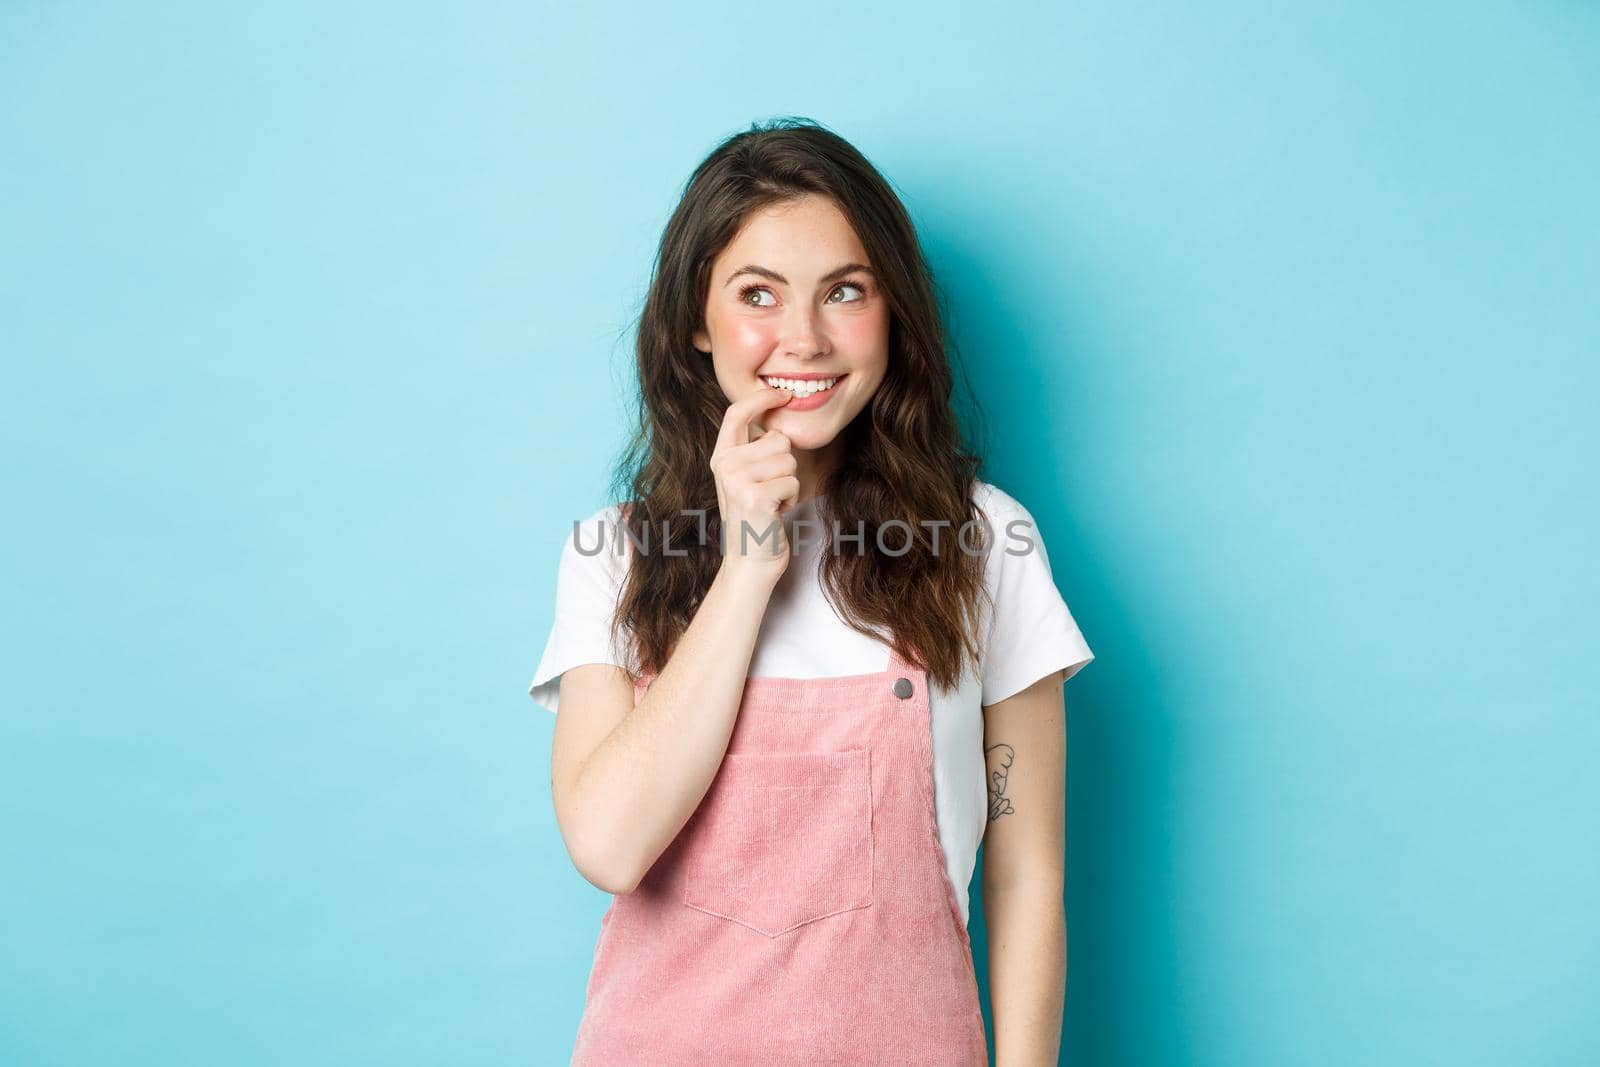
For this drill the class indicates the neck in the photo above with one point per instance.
(814, 465)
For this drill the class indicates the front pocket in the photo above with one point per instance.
(784, 839)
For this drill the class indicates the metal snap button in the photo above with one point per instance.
(902, 688)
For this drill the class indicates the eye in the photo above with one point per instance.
(744, 294)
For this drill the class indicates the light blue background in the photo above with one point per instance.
(315, 323)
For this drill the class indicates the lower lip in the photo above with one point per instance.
(815, 400)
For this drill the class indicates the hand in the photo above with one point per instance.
(755, 474)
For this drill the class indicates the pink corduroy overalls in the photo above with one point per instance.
(804, 913)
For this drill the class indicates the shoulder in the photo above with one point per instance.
(593, 552)
(996, 504)
(1012, 523)
(583, 533)
(1031, 631)
(588, 584)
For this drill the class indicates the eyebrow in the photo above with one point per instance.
(772, 275)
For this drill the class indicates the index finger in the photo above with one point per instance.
(736, 421)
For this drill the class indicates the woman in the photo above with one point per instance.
(812, 662)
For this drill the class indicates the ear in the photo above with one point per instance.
(702, 342)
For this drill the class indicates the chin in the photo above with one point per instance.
(802, 435)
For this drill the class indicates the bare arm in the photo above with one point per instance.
(1023, 872)
(626, 779)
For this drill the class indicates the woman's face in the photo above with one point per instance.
(793, 299)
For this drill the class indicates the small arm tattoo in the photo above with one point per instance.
(999, 758)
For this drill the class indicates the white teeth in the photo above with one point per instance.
(801, 387)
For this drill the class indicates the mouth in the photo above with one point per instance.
(803, 388)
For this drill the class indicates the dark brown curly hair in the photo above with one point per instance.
(905, 457)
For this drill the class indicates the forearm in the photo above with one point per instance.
(645, 779)
(1027, 930)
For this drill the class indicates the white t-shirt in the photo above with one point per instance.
(1029, 634)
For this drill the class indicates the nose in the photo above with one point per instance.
(802, 335)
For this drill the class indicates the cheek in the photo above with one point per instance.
(873, 370)
(738, 351)
(867, 383)
(867, 339)
(748, 342)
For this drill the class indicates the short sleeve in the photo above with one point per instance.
(588, 583)
(1031, 631)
